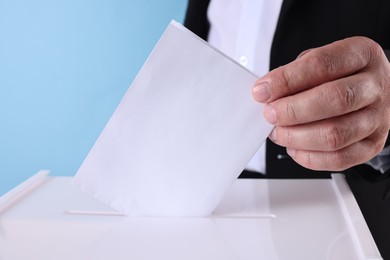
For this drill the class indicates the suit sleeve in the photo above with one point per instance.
(196, 17)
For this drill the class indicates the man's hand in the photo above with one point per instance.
(331, 106)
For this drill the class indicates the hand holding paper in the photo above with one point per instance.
(185, 129)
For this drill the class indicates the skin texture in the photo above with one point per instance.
(331, 106)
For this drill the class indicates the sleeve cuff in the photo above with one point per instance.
(381, 162)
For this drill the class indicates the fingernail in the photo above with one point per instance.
(261, 91)
(291, 152)
(273, 135)
(270, 114)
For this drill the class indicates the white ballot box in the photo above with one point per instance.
(48, 218)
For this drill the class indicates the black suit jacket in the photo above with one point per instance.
(305, 24)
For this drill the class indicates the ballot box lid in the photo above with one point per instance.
(46, 217)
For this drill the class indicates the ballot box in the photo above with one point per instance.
(46, 217)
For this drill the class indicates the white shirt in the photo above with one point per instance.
(244, 30)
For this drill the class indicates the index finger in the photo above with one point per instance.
(315, 67)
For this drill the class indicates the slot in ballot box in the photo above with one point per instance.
(48, 218)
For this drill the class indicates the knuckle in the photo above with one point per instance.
(311, 161)
(345, 97)
(340, 161)
(375, 123)
(375, 49)
(323, 63)
(308, 160)
(290, 139)
(293, 112)
(378, 144)
(286, 80)
(333, 137)
(334, 161)
(372, 52)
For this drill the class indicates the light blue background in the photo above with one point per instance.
(64, 67)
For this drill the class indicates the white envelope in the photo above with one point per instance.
(185, 129)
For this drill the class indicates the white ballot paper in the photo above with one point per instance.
(183, 132)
